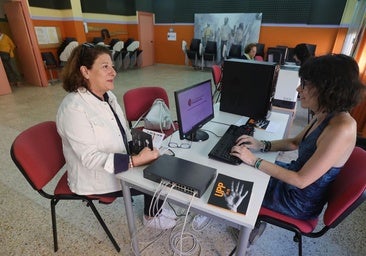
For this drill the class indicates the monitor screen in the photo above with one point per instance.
(277, 54)
(194, 107)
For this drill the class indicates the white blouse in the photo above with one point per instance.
(90, 138)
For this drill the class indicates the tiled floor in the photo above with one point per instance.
(25, 221)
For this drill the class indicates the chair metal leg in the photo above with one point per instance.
(101, 221)
(54, 226)
(298, 239)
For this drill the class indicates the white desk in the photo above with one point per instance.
(199, 153)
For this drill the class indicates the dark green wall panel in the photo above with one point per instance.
(182, 11)
(51, 4)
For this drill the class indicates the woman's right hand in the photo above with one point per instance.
(145, 156)
(249, 142)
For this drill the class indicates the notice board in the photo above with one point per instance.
(48, 37)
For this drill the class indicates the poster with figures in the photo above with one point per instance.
(227, 29)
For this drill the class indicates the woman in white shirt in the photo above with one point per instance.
(94, 131)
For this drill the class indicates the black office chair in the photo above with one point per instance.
(260, 50)
(235, 51)
(193, 53)
(51, 64)
(97, 40)
(210, 52)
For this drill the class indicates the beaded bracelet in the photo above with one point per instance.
(258, 163)
(267, 145)
(130, 163)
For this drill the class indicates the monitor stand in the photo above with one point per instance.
(199, 135)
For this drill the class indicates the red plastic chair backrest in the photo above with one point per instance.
(348, 188)
(38, 154)
(138, 100)
(216, 74)
(258, 58)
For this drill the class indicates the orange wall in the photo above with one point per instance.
(328, 40)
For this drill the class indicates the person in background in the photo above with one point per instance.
(7, 48)
(94, 132)
(250, 51)
(106, 36)
(330, 87)
(301, 53)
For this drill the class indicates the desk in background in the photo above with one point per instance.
(199, 153)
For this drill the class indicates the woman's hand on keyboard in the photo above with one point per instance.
(249, 142)
(244, 154)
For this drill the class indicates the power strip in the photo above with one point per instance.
(180, 187)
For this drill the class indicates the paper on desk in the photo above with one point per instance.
(242, 121)
(272, 127)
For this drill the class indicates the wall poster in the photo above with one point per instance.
(227, 29)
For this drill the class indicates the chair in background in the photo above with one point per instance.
(97, 40)
(37, 152)
(117, 55)
(260, 50)
(258, 58)
(51, 64)
(346, 193)
(217, 78)
(194, 52)
(210, 52)
(235, 51)
(66, 52)
(138, 101)
(184, 49)
(132, 50)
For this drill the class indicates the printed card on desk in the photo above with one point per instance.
(231, 193)
(157, 137)
(140, 139)
(258, 123)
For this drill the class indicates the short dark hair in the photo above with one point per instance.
(336, 79)
(105, 33)
(83, 55)
(302, 52)
(249, 47)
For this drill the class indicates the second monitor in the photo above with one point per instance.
(248, 87)
(194, 107)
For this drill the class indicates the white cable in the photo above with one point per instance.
(159, 189)
(178, 237)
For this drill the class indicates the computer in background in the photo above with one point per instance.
(248, 87)
(277, 54)
(286, 94)
(194, 106)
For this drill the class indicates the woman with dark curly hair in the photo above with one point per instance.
(94, 131)
(330, 87)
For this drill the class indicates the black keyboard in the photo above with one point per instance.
(221, 151)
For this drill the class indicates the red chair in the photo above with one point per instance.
(37, 152)
(217, 77)
(346, 193)
(138, 101)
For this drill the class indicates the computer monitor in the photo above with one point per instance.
(248, 87)
(194, 106)
(277, 54)
(311, 48)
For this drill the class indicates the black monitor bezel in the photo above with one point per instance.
(191, 133)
